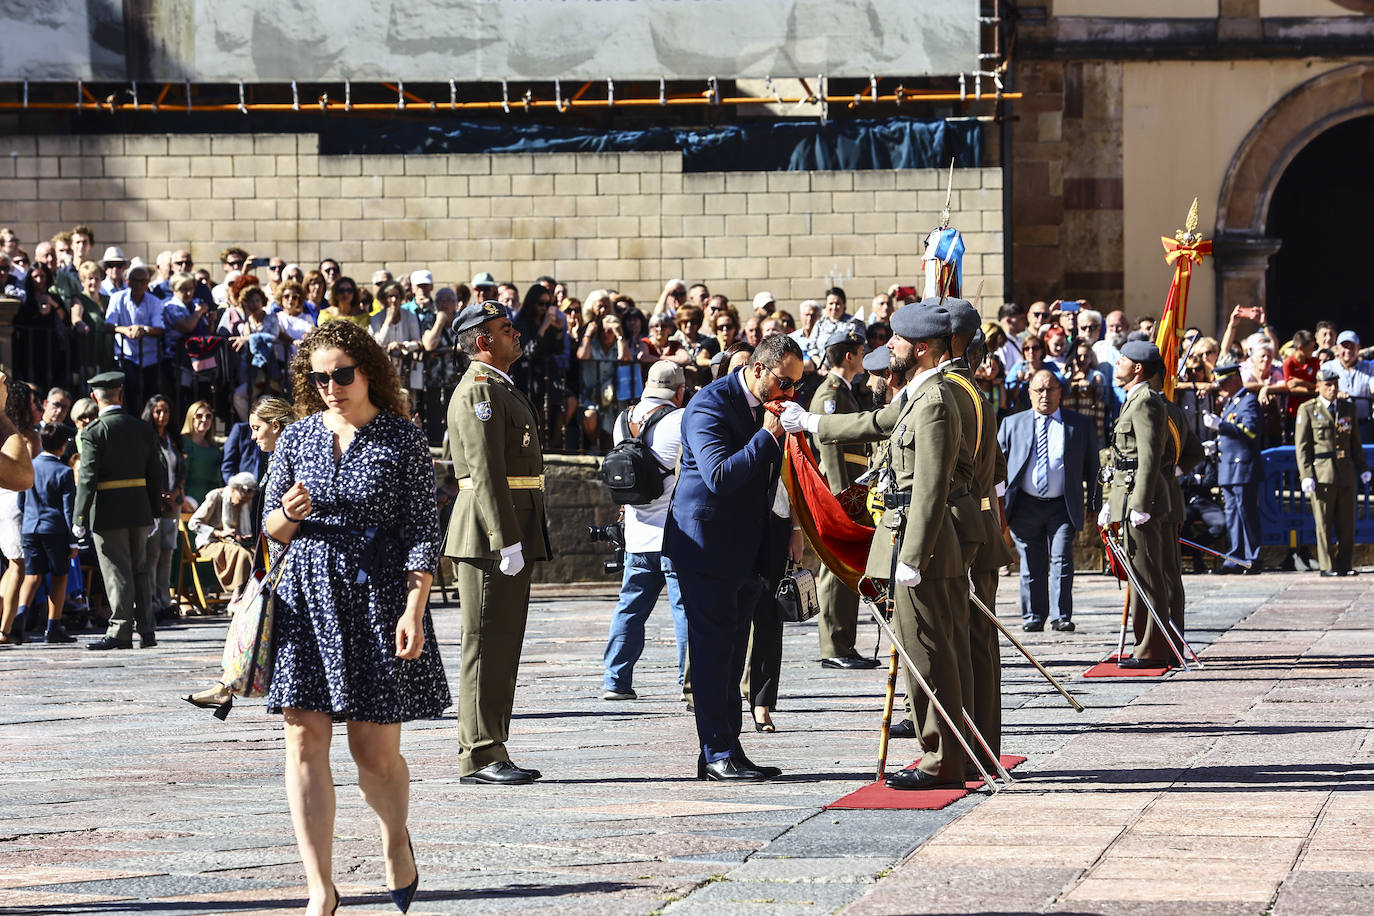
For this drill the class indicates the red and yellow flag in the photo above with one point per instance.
(1182, 251)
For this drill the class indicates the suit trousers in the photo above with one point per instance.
(719, 616)
(1145, 549)
(923, 619)
(765, 636)
(839, 618)
(494, 609)
(985, 651)
(1334, 507)
(162, 543)
(1242, 520)
(123, 556)
(1044, 540)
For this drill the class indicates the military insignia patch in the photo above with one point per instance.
(829, 406)
(525, 442)
(483, 410)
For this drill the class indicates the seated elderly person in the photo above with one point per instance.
(225, 530)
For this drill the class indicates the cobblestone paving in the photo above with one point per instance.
(119, 798)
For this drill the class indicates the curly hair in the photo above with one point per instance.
(383, 387)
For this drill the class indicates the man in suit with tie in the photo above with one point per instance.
(717, 538)
(1051, 456)
(1330, 457)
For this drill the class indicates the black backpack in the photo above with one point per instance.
(633, 473)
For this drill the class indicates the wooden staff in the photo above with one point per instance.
(887, 714)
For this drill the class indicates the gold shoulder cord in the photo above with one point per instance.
(977, 397)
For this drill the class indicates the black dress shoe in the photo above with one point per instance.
(500, 773)
(1330, 572)
(1063, 626)
(729, 769)
(1350, 572)
(1225, 570)
(903, 729)
(852, 660)
(913, 778)
(1034, 626)
(1254, 570)
(109, 642)
(147, 642)
(768, 772)
(1143, 663)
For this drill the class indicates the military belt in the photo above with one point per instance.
(1338, 454)
(900, 499)
(128, 483)
(861, 460)
(1126, 464)
(514, 483)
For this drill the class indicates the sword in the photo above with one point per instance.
(1149, 607)
(1078, 707)
(939, 707)
(1216, 553)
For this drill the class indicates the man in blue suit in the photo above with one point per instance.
(1051, 455)
(241, 453)
(1240, 469)
(716, 538)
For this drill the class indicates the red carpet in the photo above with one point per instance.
(878, 797)
(1110, 668)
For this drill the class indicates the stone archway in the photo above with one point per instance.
(1242, 247)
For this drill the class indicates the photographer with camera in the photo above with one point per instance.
(654, 428)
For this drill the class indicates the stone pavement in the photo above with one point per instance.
(1240, 788)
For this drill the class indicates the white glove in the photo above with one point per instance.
(512, 560)
(972, 592)
(793, 417)
(1309, 485)
(1139, 518)
(78, 532)
(907, 577)
(1364, 478)
(1211, 420)
(1104, 516)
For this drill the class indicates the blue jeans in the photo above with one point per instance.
(643, 581)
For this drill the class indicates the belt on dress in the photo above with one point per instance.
(127, 483)
(515, 483)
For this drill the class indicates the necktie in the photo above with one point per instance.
(1041, 476)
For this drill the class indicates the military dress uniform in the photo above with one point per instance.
(841, 463)
(1240, 471)
(1183, 452)
(118, 493)
(1329, 452)
(500, 503)
(1138, 444)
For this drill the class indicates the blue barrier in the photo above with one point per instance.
(1285, 516)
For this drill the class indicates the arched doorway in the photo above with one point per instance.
(1320, 214)
(1243, 245)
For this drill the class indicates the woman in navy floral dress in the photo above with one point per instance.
(351, 495)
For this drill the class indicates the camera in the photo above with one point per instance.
(613, 534)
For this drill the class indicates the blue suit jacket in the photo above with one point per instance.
(1239, 438)
(1081, 463)
(241, 453)
(49, 506)
(718, 519)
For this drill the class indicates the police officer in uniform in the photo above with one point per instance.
(915, 547)
(118, 493)
(497, 529)
(1138, 499)
(841, 463)
(1240, 469)
(1330, 457)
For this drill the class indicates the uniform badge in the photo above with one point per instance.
(829, 406)
(481, 378)
(483, 410)
(525, 442)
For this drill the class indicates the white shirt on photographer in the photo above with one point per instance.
(644, 524)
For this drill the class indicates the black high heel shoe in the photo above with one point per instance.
(404, 896)
(337, 900)
(221, 709)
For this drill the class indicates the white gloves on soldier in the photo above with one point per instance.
(794, 418)
(972, 591)
(1211, 420)
(512, 559)
(1309, 485)
(1139, 518)
(906, 576)
(1104, 517)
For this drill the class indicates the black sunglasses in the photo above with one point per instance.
(186, 261)
(784, 383)
(342, 377)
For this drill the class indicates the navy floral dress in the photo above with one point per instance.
(343, 588)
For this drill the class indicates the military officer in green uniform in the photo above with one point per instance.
(1330, 458)
(1138, 499)
(497, 529)
(1182, 452)
(915, 546)
(841, 463)
(118, 493)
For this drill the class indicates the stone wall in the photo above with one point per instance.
(624, 220)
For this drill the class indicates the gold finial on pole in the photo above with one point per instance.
(1189, 234)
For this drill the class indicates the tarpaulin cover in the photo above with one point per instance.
(888, 143)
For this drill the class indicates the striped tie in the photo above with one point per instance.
(1041, 477)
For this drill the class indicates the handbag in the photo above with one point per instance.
(796, 596)
(249, 652)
